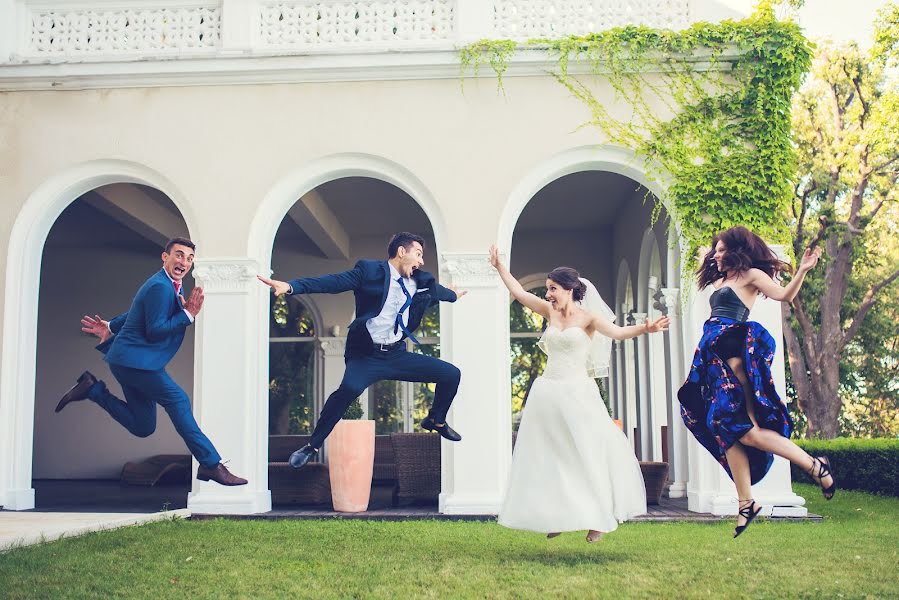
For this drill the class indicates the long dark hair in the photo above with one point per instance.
(745, 250)
(569, 279)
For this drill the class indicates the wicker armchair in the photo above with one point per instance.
(384, 471)
(309, 485)
(655, 475)
(417, 457)
(161, 468)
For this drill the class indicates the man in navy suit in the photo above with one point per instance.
(138, 345)
(391, 298)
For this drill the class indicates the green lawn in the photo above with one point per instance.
(859, 542)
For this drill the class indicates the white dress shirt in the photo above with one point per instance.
(381, 327)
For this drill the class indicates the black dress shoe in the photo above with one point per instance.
(78, 391)
(444, 430)
(299, 458)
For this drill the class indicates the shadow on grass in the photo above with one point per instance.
(593, 555)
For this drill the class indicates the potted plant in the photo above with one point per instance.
(351, 459)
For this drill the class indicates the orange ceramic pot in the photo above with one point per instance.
(351, 459)
(618, 422)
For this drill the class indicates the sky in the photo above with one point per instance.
(840, 20)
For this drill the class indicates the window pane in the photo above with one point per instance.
(430, 324)
(385, 406)
(424, 392)
(528, 362)
(290, 395)
(290, 318)
(523, 320)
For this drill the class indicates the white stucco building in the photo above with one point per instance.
(294, 137)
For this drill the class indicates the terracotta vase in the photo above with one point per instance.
(618, 422)
(351, 458)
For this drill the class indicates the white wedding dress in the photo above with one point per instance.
(572, 468)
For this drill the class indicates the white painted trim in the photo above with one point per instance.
(271, 67)
(23, 268)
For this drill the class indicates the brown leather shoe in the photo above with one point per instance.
(78, 391)
(219, 474)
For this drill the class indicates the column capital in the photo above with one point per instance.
(639, 317)
(226, 275)
(671, 296)
(469, 269)
(332, 346)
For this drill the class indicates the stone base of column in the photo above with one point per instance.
(678, 489)
(18, 499)
(460, 504)
(228, 501)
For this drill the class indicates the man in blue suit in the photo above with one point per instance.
(391, 298)
(138, 345)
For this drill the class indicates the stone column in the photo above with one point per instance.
(677, 431)
(643, 418)
(227, 401)
(240, 21)
(9, 28)
(474, 335)
(474, 20)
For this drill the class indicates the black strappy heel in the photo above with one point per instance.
(748, 513)
(823, 467)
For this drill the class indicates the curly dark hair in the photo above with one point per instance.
(569, 279)
(744, 250)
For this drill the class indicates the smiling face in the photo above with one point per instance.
(409, 259)
(720, 251)
(558, 297)
(178, 262)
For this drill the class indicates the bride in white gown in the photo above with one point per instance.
(572, 468)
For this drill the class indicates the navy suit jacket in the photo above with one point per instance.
(150, 333)
(369, 281)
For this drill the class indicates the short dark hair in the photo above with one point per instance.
(404, 239)
(181, 241)
(569, 279)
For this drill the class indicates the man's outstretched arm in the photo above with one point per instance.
(326, 284)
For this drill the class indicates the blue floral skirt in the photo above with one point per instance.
(712, 401)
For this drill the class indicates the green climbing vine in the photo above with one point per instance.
(710, 111)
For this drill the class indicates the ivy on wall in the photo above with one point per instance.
(710, 111)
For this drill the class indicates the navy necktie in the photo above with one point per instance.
(398, 324)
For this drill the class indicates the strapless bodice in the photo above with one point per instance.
(725, 303)
(567, 352)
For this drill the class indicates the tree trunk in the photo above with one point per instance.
(823, 411)
(815, 368)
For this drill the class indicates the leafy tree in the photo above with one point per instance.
(840, 331)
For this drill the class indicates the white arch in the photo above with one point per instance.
(304, 179)
(534, 280)
(284, 194)
(23, 267)
(613, 159)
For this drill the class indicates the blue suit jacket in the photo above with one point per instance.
(370, 280)
(150, 333)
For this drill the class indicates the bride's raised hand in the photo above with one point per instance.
(660, 324)
(494, 257)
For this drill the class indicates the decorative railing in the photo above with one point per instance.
(76, 30)
(61, 31)
(526, 19)
(303, 24)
